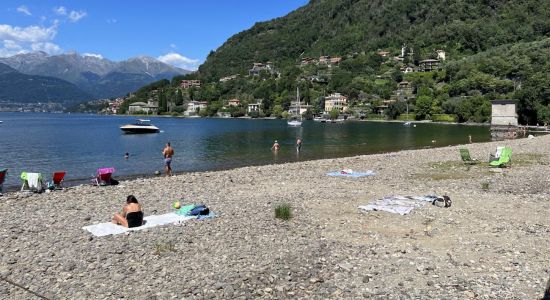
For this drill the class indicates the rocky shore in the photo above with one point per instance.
(492, 243)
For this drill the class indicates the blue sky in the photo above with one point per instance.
(181, 33)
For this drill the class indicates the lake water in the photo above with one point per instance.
(79, 144)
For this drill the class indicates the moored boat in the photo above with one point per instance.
(298, 121)
(141, 126)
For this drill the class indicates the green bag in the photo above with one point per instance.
(185, 209)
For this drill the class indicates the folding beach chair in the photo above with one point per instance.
(3, 173)
(32, 182)
(496, 156)
(466, 158)
(57, 179)
(505, 158)
(103, 176)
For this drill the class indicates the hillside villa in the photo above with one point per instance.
(227, 78)
(336, 101)
(186, 84)
(254, 107)
(428, 65)
(233, 102)
(257, 68)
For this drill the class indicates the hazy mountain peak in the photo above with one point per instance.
(93, 73)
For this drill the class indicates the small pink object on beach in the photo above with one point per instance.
(347, 171)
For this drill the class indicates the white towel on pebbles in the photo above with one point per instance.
(108, 228)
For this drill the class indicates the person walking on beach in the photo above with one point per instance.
(298, 144)
(276, 146)
(168, 152)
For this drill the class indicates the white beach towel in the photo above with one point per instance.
(33, 180)
(108, 228)
(398, 204)
(350, 173)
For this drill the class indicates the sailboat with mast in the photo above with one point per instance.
(296, 122)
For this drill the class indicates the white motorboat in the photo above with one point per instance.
(141, 126)
(295, 123)
(320, 119)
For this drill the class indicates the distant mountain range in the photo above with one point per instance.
(94, 76)
(22, 88)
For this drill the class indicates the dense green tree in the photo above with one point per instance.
(334, 113)
(395, 109)
(423, 107)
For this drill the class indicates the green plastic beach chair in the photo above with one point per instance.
(504, 160)
(31, 185)
(466, 158)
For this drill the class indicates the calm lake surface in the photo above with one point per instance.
(80, 144)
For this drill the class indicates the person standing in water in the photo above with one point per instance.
(276, 146)
(298, 144)
(168, 152)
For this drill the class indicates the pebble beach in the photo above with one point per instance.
(492, 243)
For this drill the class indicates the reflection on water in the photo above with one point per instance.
(80, 144)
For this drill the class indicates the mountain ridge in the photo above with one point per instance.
(16, 87)
(95, 75)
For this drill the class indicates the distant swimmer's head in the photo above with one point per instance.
(276, 141)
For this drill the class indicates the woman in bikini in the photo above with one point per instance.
(131, 215)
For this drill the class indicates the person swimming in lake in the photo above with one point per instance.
(276, 146)
(298, 144)
(131, 215)
(126, 155)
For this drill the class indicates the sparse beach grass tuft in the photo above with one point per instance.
(164, 247)
(283, 211)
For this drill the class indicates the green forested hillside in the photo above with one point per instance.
(494, 50)
(339, 27)
(22, 88)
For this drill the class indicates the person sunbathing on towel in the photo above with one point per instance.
(131, 215)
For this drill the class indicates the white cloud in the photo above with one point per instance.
(75, 16)
(11, 48)
(18, 40)
(12, 45)
(24, 10)
(93, 55)
(47, 47)
(60, 11)
(27, 34)
(179, 61)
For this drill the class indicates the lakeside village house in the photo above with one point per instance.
(193, 107)
(504, 119)
(336, 101)
(148, 108)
